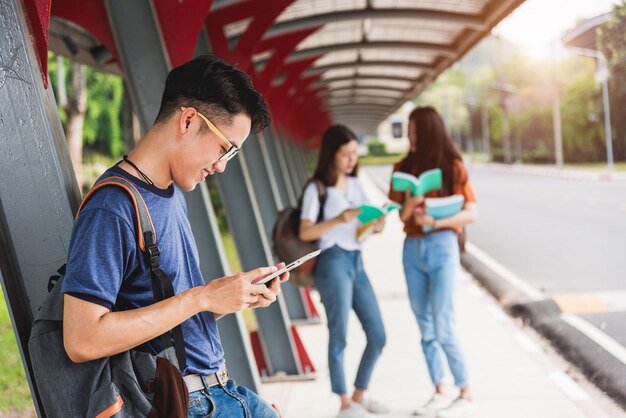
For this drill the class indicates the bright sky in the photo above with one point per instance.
(536, 23)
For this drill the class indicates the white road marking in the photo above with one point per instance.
(526, 343)
(569, 386)
(497, 313)
(603, 340)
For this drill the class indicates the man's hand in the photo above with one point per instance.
(234, 293)
(274, 287)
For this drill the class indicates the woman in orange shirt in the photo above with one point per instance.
(431, 259)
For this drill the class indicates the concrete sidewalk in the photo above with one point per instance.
(513, 372)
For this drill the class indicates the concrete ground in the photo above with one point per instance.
(514, 372)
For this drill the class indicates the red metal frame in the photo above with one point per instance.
(251, 42)
(91, 15)
(38, 17)
(180, 24)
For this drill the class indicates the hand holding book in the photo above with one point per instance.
(370, 213)
(371, 217)
(443, 207)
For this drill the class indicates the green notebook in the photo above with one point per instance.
(427, 181)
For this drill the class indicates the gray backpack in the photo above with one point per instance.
(134, 383)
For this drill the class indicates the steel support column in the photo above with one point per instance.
(213, 264)
(38, 190)
(246, 224)
(302, 162)
(292, 166)
(284, 169)
(274, 161)
(264, 184)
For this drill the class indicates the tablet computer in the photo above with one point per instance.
(288, 267)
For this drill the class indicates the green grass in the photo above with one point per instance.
(619, 166)
(235, 266)
(14, 390)
(231, 252)
(380, 160)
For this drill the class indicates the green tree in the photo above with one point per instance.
(612, 42)
(102, 131)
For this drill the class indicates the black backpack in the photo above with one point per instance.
(287, 244)
(134, 383)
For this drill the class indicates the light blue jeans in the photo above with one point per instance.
(343, 285)
(229, 401)
(431, 265)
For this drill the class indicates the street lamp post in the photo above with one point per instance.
(556, 110)
(602, 76)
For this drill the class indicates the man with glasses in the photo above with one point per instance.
(207, 111)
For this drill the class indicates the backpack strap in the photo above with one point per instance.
(162, 287)
(142, 215)
(321, 194)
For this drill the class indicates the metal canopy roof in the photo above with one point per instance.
(317, 61)
(585, 34)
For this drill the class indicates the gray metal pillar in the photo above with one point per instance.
(284, 170)
(302, 162)
(281, 180)
(38, 189)
(213, 264)
(246, 224)
(138, 42)
(264, 184)
(292, 166)
(296, 151)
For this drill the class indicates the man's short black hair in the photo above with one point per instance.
(216, 89)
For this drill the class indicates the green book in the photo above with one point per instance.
(370, 213)
(443, 207)
(427, 182)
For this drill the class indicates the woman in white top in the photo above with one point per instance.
(339, 275)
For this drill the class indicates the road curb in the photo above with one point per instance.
(599, 366)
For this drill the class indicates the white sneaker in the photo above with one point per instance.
(460, 408)
(374, 406)
(434, 404)
(355, 410)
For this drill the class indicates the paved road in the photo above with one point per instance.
(566, 238)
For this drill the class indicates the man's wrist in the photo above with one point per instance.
(434, 225)
(199, 300)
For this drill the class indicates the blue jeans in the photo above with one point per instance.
(343, 285)
(228, 401)
(431, 264)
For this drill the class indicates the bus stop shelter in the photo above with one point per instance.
(317, 62)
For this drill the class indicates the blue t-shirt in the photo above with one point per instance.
(106, 266)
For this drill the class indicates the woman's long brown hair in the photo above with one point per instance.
(334, 138)
(434, 147)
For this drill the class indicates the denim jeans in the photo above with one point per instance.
(431, 265)
(343, 285)
(228, 401)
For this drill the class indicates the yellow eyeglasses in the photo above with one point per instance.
(231, 149)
